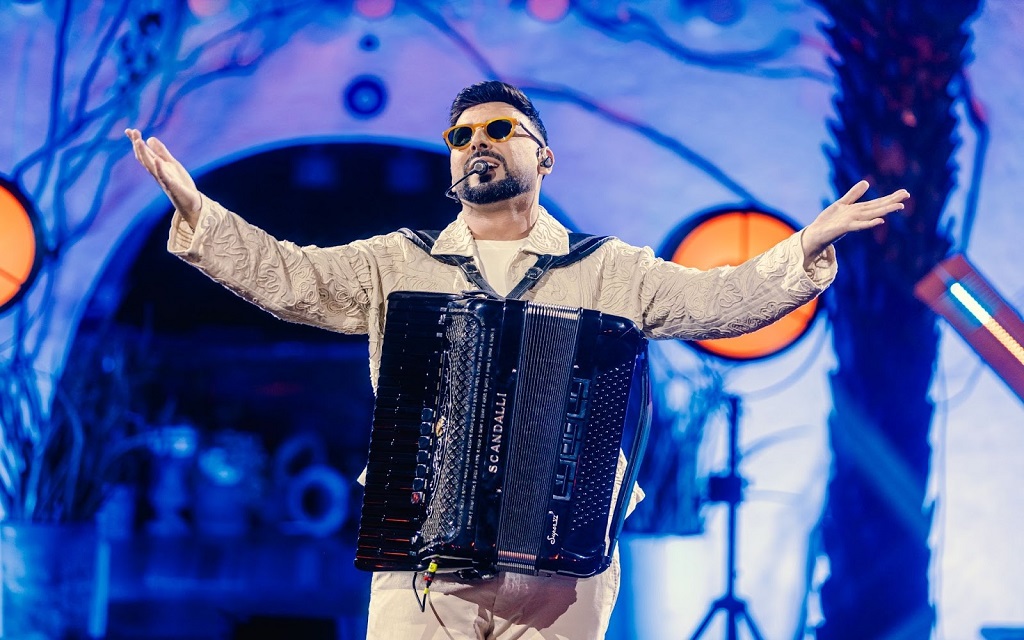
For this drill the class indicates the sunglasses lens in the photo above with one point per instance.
(500, 129)
(460, 136)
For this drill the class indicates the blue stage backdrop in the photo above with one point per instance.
(321, 121)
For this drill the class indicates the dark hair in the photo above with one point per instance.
(495, 91)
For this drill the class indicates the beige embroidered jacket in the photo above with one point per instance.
(344, 288)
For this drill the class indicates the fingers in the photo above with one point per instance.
(160, 149)
(872, 214)
(875, 208)
(133, 135)
(858, 190)
(887, 204)
(150, 153)
(137, 143)
(855, 192)
(894, 197)
(847, 214)
(139, 147)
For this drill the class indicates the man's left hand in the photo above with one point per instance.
(845, 215)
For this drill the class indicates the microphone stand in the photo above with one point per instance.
(728, 488)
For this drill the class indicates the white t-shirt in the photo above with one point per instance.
(495, 259)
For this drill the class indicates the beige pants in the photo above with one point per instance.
(508, 607)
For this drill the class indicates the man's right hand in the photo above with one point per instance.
(170, 175)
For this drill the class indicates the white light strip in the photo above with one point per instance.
(966, 299)
(987, 321)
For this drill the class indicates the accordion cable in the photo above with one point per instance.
(428, 578)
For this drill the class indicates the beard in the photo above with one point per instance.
(507, 188)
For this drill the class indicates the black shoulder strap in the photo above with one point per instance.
(425, 240)
(581, 245)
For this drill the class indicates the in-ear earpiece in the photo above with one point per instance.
(544, 159)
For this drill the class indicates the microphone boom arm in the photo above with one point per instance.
(479, 168)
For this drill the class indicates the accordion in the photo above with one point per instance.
(496, 436)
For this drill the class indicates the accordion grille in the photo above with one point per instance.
(601, 454)
(460, 379)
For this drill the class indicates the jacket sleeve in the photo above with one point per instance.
(671, 301)
(332, 288)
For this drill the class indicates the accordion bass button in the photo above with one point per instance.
(421, 471)
(422, 457)
(427, 415)
(426, 428)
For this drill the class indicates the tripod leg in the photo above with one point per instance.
(745, 615)
(706, 621)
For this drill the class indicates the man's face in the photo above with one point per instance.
(512, 164)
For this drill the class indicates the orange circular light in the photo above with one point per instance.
(18, 246)
(730, 237)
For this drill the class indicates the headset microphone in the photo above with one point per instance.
(479, 168)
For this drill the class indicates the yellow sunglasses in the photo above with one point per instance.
(497, 129)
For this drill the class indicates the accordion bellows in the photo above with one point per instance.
(496, 434)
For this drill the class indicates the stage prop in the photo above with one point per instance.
(19, 244)
(730, 236)
(955, 290)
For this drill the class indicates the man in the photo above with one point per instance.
(502, 228)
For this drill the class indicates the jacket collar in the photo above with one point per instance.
(547, 237)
